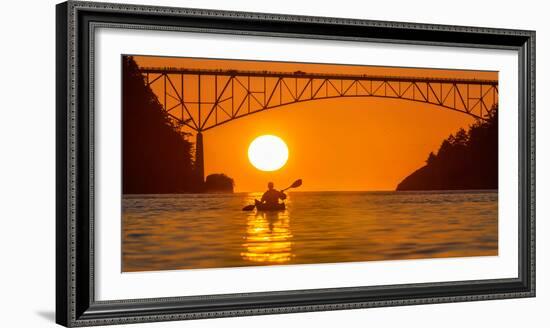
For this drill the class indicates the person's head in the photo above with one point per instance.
(270, 185)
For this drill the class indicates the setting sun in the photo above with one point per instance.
(268, 153)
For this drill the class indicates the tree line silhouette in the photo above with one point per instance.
(156, 154)
(465, 160)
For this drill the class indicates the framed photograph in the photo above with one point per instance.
(215, 164)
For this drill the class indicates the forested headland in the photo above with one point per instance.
(157, 157)
(465, 160)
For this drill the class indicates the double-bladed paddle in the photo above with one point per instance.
(295, 184)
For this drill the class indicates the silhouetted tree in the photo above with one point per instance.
(156, 155)
(218, 183)
(431, 158)
(461, 138)
(465, 160)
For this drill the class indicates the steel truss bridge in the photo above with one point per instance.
(202, 99)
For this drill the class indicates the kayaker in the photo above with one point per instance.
(271, 196)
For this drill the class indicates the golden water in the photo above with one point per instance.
(167, 232)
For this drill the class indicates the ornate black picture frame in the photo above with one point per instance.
(75, 280)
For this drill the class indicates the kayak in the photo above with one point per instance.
(265, 207)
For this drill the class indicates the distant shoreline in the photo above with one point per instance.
(461, 191)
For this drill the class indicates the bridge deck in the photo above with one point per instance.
(300, 74)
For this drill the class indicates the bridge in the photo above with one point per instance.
(203, 99)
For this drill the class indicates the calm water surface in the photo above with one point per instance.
(166, 232)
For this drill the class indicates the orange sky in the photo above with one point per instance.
(334, 144)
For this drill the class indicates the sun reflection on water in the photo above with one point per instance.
(268, 238)
(178, 232)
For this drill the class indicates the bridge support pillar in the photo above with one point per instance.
(199, 160)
